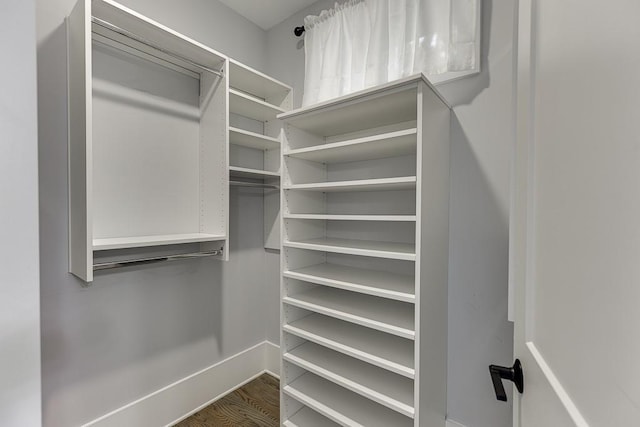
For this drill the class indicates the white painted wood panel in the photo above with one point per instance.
(256, 83)
(237, 171)
(378, 184)
(367, 281)
(372, 248)
(251, 107)
(380, 349)
(341, 405)
(385, 218)
(393, 317)
(386, 388)
(157, 240)
(392, 144)
(249, 139)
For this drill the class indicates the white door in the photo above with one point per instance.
(575, 247)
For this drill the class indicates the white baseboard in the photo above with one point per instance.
(177, 401)
(451, 423)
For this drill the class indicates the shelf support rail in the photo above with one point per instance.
(142, 261)
(125, 33)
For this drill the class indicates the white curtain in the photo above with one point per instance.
(363, 43)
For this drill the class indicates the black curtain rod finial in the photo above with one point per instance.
(298, 31)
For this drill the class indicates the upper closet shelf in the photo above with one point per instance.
(239, 172)
(377, 184)
(380, 146)
(259, 84)
(252, 140)
(139, 31)
(389, 250)
(144, 241)
(253, 108)
(388, 104)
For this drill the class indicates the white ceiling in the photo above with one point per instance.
(267, 13)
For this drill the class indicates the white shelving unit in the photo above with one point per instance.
(148, 130)
(365, 196)
(255, 100)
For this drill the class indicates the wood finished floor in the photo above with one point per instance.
(256, 404)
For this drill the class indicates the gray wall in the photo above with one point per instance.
(139, 329)
(479, 333)
(19, 276)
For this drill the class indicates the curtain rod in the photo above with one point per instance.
(298, 31)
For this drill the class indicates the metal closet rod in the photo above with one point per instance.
(153, 260)
(253, 184)
(130, 35)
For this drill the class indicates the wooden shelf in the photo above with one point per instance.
(392, 144)
(377, 184)
(393, 317)
(252, 81)
(342, 406)
(144, 241)
(306, 417)
(252, 140)
(390, 250)
(371, 282)
(384, 218)
(386, 351)
(386, 388)
(239, 172)
(253, 108)
(383, 105)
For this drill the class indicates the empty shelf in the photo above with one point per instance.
(252, 139)
(341, 405)
(251, 81)
(386, 351)
(390, 250)
(388, 218)
(384, 387)
(307, 417)
(381, 146)
(393, 317)
(376, 184)
(240, 172)
(159, 240)
(371, 282)
(253, 108)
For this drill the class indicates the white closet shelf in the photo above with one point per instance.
(240, 172)
(383, 387)
(390, 250)
(147, 29)
(156, 240)
(392, 144)
(387, 104)
(329, 217)
(307, 417)
(341, 405)
(386, 351)
(252, 140)
(253, 108)
(398, 287)
(252, 81)
(392, 317)
(375, 184)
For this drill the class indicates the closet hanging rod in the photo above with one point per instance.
(253, 184)
(125, 33)
(143, 261)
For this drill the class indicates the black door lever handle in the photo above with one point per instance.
(499, 373)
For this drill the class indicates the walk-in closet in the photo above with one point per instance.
(317, 213)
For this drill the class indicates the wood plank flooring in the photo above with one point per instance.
(256, 404)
